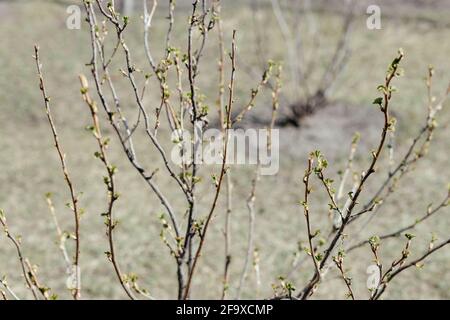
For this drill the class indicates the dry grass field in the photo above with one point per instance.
(30, 168)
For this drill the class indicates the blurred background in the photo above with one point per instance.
(30, 168)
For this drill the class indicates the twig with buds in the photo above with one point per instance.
(73, 194)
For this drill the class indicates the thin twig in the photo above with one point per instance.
(222, 171)
(73, 195)
(18, 247)
(109, 181)
(384, 104)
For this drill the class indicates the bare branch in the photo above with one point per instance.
(74, 198)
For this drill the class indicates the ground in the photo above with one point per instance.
(30, 168)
